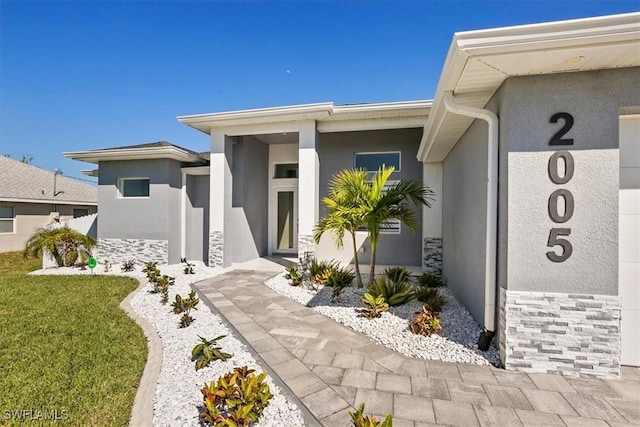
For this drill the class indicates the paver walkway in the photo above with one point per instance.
(331, 369)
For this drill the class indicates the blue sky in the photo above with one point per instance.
(96, 74)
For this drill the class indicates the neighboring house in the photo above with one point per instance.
(31, 197)
(531, 144)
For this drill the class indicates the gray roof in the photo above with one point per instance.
(151, 145)
(22, 181)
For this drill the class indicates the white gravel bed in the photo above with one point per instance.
(178, 397)
(456, 342)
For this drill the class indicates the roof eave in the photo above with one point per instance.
(513, 40)
(170, 152)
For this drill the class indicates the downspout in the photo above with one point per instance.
(491, 250)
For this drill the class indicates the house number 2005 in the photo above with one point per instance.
(557, 235)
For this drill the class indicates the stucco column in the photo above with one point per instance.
(219, 198)
(432, 220)
(308, 186)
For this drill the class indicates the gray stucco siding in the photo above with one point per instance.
(197, 217)
(464, 215)
(336, 152)
(594, 100)
(156, 217)
(247, 218)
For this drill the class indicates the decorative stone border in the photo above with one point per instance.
(557, 333)
(120, 250)
(142, 410)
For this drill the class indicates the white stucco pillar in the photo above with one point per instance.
(432, 220)
(308, 186)
(219, 196)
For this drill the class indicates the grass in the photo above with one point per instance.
(66, 346)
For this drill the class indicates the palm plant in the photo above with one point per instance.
(386, 203)
(355, 200)
(64, 244)
(345, 213)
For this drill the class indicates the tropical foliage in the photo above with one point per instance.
(66, 246)
(356, 199)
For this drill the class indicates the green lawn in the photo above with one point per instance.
(65, 346)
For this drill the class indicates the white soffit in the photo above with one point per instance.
(329, 118)
(479, 61)
(146, 153)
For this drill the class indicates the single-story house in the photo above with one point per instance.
(31, 197)
(531, 144)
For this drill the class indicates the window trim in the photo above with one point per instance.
(121, 187)
(379, 152)
(12, 219)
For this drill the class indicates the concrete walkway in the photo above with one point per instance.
(332, 369)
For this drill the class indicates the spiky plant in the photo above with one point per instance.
(64, 244)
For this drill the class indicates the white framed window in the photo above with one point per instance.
(285, 170)
(133, 187)
(372, 161)
(7, 219)
(393, 226)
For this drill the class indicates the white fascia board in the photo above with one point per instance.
(548, 35)
(372, 124)
(514, 40)
(90, 172)
(47, 201)
(97, 156)
(198, 170)
(260, 115)
(380, 107)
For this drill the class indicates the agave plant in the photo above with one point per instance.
(394, 293)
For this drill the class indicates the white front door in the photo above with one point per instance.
(284, 220)
(629, 239)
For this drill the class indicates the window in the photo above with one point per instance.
(133, 187)
(286, 170)
(388, 227)
(80, 212)
(371, 162)
(7, 216)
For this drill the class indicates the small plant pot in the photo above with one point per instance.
(484, 341)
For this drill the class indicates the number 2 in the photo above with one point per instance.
(568, 124)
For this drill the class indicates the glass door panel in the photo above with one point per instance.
(286, 221)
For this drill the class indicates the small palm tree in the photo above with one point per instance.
(345, 214)
(355, 200)
(64, 244)
(385, 203)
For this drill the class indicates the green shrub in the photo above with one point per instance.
(293, 275)
(360, 420)
(188, 269)
(237, 398)
(65, 245)
(394, 293)
(432, 298)
(426, 322)
(374, 306)
(206, 351)
(128, 265)
(430, 280)
(339, 278)
(321, 270)
(184, 306)
(397, 274)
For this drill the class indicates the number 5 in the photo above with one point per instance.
(554, 240)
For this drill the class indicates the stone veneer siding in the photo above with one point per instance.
(306, 244)
(432, 255)
(568, 334)
(120, 250)
(216, 243)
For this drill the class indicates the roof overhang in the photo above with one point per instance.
(146, 153)
(329, 118)
(48, 201)
(478, 62)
